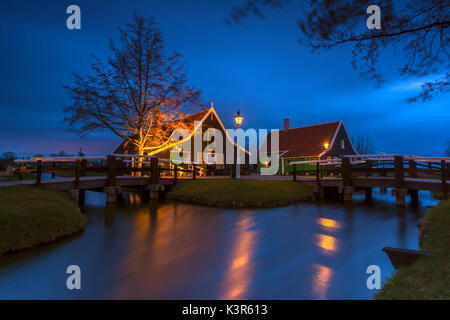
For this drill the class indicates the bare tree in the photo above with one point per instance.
(363, 144)
(420, 26)
(137, 94)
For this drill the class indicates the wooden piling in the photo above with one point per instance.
(154, 170)
(294, 173)
(53, 170)
(400, 192)
(346, 172)
(444, 177)
(77, 174)
(111, 171)
(412, 172)
(82, 192)
(38, 172)
(175, 174)
(21, 170)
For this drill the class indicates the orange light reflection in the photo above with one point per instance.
(239, 274)
(328, 243)
(329, 223)
(321, 280)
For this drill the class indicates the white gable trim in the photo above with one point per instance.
(211, 110)
(341, 124)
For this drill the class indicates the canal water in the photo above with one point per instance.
(177, 251)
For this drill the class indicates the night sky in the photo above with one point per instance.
(257, 66)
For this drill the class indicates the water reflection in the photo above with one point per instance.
(321, 280)
(176, 251)
(328, 223)
(240, 270)
(328, 244)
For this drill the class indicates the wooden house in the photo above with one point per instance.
(203, 120)
(314, 142)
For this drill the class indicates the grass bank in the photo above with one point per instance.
(428, 278)
(240, 192)
(30, 217)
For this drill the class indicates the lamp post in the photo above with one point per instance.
(238, 120)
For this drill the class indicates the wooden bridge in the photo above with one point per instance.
(338, 177)
(406, 175)
(109, 174)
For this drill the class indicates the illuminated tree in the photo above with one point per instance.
(137, 94)
(419, 26)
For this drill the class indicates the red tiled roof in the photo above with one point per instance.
(305, 141)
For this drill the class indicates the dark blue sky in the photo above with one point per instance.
(257, 66)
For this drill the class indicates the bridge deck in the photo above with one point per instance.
(96, 182)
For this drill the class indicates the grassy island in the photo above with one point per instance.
(240, 193)
(30, 217)
(429, 277)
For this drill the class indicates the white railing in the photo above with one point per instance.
(60, 159)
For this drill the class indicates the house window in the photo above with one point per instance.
(342, 144)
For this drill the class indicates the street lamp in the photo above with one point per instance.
(238, 120)
(326, 145)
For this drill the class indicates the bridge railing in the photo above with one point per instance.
(397, 166)
(110, 166)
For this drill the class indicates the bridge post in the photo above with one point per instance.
(444, 177)
(346, 172)
(399, 192)
(294, 173)
(82, 173)
(318, 190)
(154, 170)
(412, 172)
(21, 170)
(53, 169)
(368, 191)
(383, 190)
(194, 171)
(38, 172)
(175, 174)
(77, 174)
(110, 188)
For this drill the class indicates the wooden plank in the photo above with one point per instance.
(403, 257)
(412, 169)
(111, 171)
(175, 174)
(399, 173)
(38, 172)
(20, 170)
(77, 174)
(346, 171)
(53, 169)
(154, 171)
(368, 168)
(444, 176)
